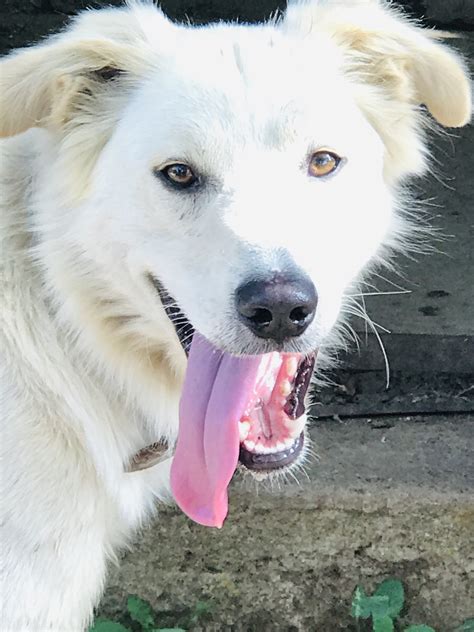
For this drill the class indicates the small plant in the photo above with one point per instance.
(140, 612)
(384, 606)
(144, 618)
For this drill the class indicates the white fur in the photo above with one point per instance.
(91, 367)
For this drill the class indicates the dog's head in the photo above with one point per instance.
(228, 180)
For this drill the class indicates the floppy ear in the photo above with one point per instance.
(392, 52)
(46, 85)
(41, 86)
(442, 82)
(77, 83)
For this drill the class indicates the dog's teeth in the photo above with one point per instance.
(280, 447)
(291, 366)
(295, 426)
(285, 388)
(249, 445)
(244, 429)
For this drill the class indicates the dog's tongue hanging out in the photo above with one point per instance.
(219, 391)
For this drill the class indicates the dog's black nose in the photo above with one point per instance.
(277, 308)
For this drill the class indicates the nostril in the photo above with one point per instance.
(299, 314)
(262, 316)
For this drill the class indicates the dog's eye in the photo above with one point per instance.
(323, 163)
(179, 174)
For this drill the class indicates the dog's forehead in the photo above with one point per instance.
(230, 81)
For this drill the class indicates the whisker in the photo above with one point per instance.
(363, 315)
(358, 310)
(389, 281)
(378, 293)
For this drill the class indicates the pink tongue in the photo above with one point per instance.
(217, 389)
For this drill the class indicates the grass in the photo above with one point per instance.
(378, 612)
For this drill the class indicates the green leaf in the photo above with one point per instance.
(419, 628)
(141, 612)
(382, 624)
(379, 606)
(467, 626)
(106, 625)
(393, 590)
(360, 604)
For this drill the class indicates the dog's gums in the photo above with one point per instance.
(265, 462)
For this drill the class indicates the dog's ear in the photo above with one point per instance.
(392, 52)
(47, 84)
(41, 86)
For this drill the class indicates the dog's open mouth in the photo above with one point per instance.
(271, 429)
(233, 409)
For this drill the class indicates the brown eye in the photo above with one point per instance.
(179, 175)
(323, 163)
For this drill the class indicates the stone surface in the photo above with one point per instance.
(365, 392)
(385, 499)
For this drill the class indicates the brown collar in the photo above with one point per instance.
(148, 457)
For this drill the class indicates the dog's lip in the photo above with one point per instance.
(261, 462)
(183, 327)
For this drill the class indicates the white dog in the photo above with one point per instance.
(170, 190)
